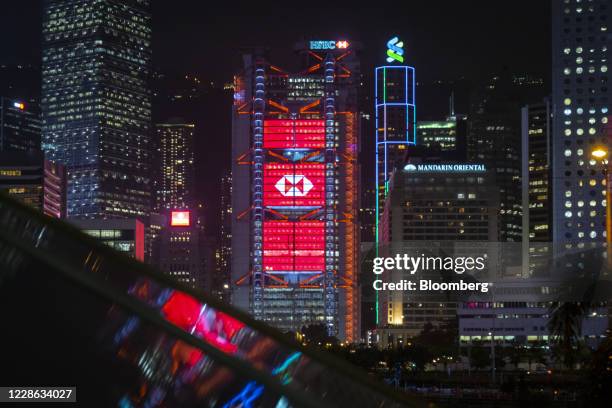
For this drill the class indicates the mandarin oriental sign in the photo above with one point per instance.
(444, 167)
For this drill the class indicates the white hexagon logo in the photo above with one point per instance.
(293, 185)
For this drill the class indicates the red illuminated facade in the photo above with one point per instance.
(54, 189)
(295, 144)
(296, 247)
(285, 134)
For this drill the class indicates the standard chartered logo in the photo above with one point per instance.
(395, 50)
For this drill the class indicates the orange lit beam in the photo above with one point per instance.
(349, 158)
(245, 212)
(278, 106)
(317, 56)
(279, 280)
(277, 69)
(309, 214)
(312, 278)
(243, 278)
(345, 69)
(304, 109)
(347, 281)
(278, 156)
(346, 54)
(348, 218)
(313, 68)
(240, 159)
(309, 155)
(281, 215)
(242, 111)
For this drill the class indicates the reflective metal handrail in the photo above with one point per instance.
(185, 346)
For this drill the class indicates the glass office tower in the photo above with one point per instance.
(96, 103)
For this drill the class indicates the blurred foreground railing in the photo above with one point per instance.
(77, 313)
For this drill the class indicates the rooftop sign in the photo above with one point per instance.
(328, 45)
(395, 50)
(459, 168)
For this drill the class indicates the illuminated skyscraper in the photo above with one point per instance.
(221, 283)
(449, 134)
(22, 177)
(175, 184)
(395, 111)
(537, 182)
(536, 121)
(494, 138)
(581, 100)
(19, 126)
(96, 103)
(295, 239)
(440, 209)
(395, 120)
(184, 253)
(123, 235)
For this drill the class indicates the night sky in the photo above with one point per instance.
(444, 41)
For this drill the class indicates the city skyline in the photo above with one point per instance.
(427, 48)
(215, 200)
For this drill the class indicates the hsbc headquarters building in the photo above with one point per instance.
(295, 141)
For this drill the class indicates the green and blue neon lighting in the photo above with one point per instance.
(395, 107)
(395, 50)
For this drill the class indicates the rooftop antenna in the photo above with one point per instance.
(451, 103)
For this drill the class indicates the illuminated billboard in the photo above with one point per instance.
(294, 184)
(288, 134)
(179, 219)
(294, 246)
(328, 44)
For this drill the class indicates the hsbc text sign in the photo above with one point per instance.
(328, 45)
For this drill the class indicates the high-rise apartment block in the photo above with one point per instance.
(175, 184)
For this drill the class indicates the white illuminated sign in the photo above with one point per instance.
(294, 185)
(328, 45)
(445, 167)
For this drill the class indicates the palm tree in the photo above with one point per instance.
(582, 291)
(565, 326)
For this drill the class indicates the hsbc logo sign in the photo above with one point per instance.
(294, 185)
(328, 45)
